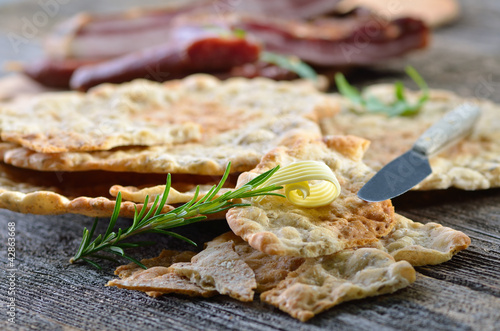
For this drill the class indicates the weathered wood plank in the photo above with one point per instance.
(65, 296)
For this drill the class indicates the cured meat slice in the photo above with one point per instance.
(188, 50)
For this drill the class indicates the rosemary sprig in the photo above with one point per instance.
(154, 221)
(291, 63)
(400, 107)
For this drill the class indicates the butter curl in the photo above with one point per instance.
(306, 183)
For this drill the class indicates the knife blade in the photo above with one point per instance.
(409, 169)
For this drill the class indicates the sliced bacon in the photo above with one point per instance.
(257, 69)
(88, 36)
(54, 72)
(339, 42)
(197, 51)
(173, 43)
(290, 9)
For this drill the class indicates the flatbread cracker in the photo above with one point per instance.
(471, 164)
(324, 282)
(422, 244)
(165, 259)
(269, 269)
(148, 113)
(219, 267)
(258, 115)
(86, 193)
(158, 279)
(73, 121)
(277, 227)
(132, 193)
(243, 147)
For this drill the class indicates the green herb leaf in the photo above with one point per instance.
(400, 107)
(348, 90)
(239, 33)
(153, 221)
(291, 63)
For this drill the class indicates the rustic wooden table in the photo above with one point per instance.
(462, 294)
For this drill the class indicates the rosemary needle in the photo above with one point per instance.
(290, 63)
(400, 107)
(154, 221)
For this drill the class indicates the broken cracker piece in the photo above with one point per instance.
(275, 226)
(220, 268)
(158, 279)
(422, 244)
(165, 259)
(324, 282)
(269, 269)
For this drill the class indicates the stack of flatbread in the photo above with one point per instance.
(69, 152)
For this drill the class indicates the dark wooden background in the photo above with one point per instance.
(462, 294)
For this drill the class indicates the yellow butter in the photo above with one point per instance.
(296, 179)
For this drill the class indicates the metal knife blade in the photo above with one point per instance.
(409, 169)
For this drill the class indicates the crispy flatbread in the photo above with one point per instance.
(275, 226)
(324, 282)
(158, 279)
(131, 193)
(218, 267)
(86, 193)
(165, 259)
(73, 121)
(269, 269)
(472, 164)
(148, 113)
(422, 244)
(242, 119)
(304, 287)
(243, 147)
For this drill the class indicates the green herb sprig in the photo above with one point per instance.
(291, 63)
(154, 221)
(400, 107)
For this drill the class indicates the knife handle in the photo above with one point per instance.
(455, 125)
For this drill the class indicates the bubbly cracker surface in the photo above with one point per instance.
(242, 119)
(242, 147)
(324, 282)
(219, 268)
(422, 244)
(73, 121)
(275, 226)
(148, 113)
(269, 269)
(158, 279)
(473, 163)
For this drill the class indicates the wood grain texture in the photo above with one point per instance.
(462, 294)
